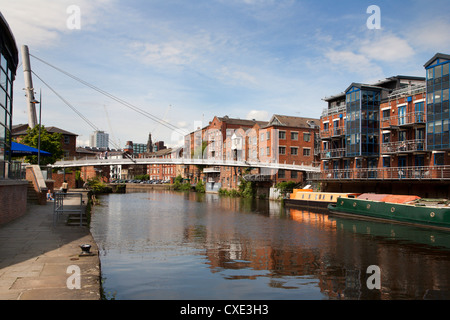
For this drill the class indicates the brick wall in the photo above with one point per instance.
(13, 197)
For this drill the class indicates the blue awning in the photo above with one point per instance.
(19, 150)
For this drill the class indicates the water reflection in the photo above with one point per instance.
(164, 245)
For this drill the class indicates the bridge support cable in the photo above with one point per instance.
(111, 96)
(92, 125)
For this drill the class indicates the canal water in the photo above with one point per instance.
(163, 245)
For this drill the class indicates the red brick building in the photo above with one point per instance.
(283, 139)
(68, 140)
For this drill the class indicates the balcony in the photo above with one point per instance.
(332, 133)
(396, 174)
(403, 146)
(409, 119)
(333, 153)
(212, 170)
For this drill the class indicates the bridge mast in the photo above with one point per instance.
(31, 101)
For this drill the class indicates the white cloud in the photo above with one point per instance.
(258, 115)
(42, 23)
(236, 77)
(430, 34)
(386, 48)
(359, 64)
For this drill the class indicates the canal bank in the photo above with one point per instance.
(42, 261)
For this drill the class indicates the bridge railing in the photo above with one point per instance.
(186, 161)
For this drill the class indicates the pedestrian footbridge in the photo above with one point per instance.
(182, 161)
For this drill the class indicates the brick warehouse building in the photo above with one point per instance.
(391, 136)
(283, 139)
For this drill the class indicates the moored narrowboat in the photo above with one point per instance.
(396, 208)
(307, 198)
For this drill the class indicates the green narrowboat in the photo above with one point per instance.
(396, 208)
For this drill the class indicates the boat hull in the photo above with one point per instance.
(307, 204)
(437, 217)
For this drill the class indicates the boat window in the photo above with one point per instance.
(303, 196)
(316, 196)
(331, 197)
(309, 197)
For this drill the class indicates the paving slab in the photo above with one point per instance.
(40, 260)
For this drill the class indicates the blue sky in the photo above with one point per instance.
(187, 61)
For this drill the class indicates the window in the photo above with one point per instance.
(386, 114)
(430, 74)
(307, 137)
(294, 151)
(294, 135)
(386, 162)
(438, 71)
(281, 174)
(268, 135)
(439, 159)
(306, 152)
(445, 95)
(294, 175)
(66, 139)
(282, 150)
(262, 136)
(282, 135)
(268, 151)
(445, 68)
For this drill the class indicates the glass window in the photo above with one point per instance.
(268, 135)
(445, 95)
(438, 71)
(429, 98)
(430, 73)
(3, 98)
(439, 159)
(282, 135)
(3, 79)
(3, 62)
(306, 152)
(294, 135)
(437, 96)
(282, 150)
(445, 68)
(294, 151)
(438, 127)
(445, 125)
(307, 137)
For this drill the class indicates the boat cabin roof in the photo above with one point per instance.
(391, 198)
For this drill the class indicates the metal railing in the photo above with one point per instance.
(332, 132)
(403, 146)
(59, 207)
(394, 173)
(333, 153)
(418, 117)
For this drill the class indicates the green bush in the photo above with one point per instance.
(200, 187)
(97, 186)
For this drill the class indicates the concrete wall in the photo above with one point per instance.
(13, 200)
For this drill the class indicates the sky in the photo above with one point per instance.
(187, 61)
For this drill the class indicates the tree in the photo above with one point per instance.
(49, 142)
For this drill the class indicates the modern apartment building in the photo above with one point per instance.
(391, 136)
(9, 61)
(99, 139)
